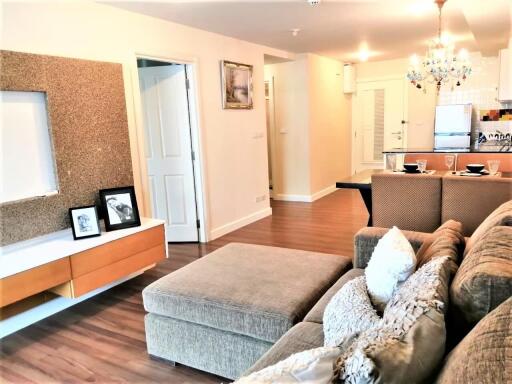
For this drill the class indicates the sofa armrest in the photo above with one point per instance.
(366, 239)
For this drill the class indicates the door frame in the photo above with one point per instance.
(273, 137)
(191, 67)
(355, 118)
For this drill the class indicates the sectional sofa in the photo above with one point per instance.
(245, 307)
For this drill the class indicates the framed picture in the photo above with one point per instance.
(84, 222)
(119, 208)
(236, 85)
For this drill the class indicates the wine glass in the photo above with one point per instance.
(392, 162)
(494, 165)
(449, 160)
(422, 165)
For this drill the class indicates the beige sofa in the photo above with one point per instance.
(479, 331)
(422, 202)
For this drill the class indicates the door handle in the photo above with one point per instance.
(396, 133)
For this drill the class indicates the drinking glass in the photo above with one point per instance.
(422, 165)
(392, 161)
(494, 165)
(449, 160)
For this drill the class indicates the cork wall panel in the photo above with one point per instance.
(89, 130)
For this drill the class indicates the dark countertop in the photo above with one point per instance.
(431, 150)
(363, 179)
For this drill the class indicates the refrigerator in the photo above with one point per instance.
(452, 129)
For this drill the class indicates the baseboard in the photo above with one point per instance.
(300, 198)
(306, 198)
(323, 192)
(234, 225)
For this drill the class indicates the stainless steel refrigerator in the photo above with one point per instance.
(452, 129)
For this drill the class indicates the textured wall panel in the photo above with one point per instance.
(87, 116)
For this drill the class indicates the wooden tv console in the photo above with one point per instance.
(56, 271)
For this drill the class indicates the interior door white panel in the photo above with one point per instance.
(168, 150)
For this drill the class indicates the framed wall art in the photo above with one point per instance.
(236, 85)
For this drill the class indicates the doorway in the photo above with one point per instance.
(271, 144)
(379, 121)
(170, 160)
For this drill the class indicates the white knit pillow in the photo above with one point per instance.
(348, 313)
(314, 366)
(392, 262)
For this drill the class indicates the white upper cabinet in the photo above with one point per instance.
(505, 91)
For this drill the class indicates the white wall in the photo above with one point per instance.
(235, 163)
(291, 114)
(312, 122)
(421, 106)
(330, 122)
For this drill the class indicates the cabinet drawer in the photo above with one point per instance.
(104, 255)
(85, 283)
(32, 281)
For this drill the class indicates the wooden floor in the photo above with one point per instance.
(102, 339)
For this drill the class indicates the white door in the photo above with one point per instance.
(379, 116)
(168, 149)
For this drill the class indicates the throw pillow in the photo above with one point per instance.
(348, 313)
(484, 279)
(314, 366)
(409, 344)
(501, 216)
(447, 240)
(482, 356)
(392, 262)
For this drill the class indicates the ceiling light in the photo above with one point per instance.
(440, 65)
(313, 2)
(364, 52)
(295, 31)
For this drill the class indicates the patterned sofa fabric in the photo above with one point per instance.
(447, 240)
(484, 279)
(501, 216)
(484, 356)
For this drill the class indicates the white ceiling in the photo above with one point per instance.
(390, 28)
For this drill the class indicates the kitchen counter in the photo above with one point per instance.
(431, 150)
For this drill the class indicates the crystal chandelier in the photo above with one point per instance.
(440, 65)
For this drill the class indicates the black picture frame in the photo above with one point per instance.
(125, 214)
(84, 222)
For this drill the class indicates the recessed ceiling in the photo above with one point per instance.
(389, 28)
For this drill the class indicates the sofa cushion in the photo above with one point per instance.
(447, 240)
(349, 312)
(501, 216)
(252, 290)
(409, 343)
(301, 337)
(484, 279)
(316, 314)
(484, 356)
(393, 261)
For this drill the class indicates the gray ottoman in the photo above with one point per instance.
(225, 310)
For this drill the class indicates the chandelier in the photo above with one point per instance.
(440, 65)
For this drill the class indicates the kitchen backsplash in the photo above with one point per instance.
(481, 90)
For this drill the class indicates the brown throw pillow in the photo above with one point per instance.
(447, 240)
(483, 356)
(484, 279)
(501, 216)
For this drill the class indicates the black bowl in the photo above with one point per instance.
(475, 168)
(411, 167)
